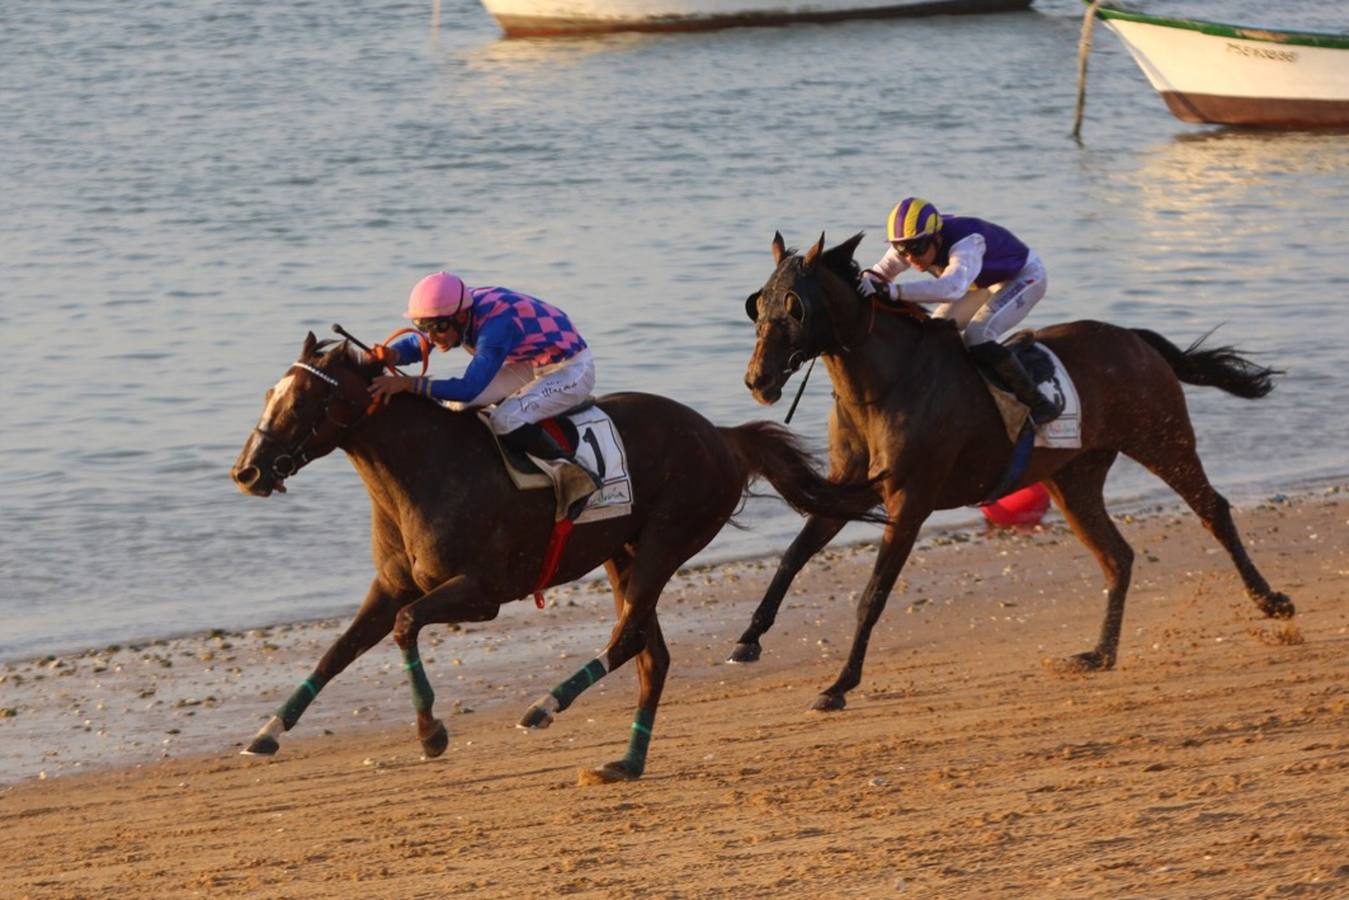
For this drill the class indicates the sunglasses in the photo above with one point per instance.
(434, 326)
(913, 248)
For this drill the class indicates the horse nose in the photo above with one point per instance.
(245, 476)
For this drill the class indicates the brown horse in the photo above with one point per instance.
(909, 402)
(453, 539)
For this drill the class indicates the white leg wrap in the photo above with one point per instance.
(273, 729)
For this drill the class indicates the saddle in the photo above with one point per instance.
(586, 431)
(1052, 378)
(1043, 369)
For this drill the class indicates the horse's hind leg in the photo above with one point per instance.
(637, 633)
(1178, 465)
(814, 535)
(371, 624)
(1077, 488)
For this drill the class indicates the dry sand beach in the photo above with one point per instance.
(1212, 762)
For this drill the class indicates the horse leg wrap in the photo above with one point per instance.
(289, 713)
(635, 759)
(570, 689)
(422, 695)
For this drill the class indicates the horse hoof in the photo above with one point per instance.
(609, 773)
(829, 703)
(745, 653)
(1079, 664)
(1277, 606)
(535, 717)
(435, 745)
(263, 745)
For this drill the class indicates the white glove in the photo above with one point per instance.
(866, 285)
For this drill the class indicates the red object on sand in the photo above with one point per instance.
(1024, 507)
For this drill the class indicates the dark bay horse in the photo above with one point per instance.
(453, 539)
(910, 403)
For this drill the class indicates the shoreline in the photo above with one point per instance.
(1138, 507)
(146, 702)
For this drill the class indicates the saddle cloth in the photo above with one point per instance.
(598, 446)
(1065, 432)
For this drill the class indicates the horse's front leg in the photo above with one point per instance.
(816, 533)
(906, 517)
(373, 621)
(461, 599)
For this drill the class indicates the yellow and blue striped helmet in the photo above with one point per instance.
(912, 218)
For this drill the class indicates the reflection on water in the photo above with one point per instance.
(173, 227)
(1227, 190)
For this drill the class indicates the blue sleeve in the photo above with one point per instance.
(407, 349)
(496, 339)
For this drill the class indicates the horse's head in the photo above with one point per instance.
(320, 396)
(797, 312)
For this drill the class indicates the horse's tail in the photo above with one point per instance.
(772, 451)
(1220, 367)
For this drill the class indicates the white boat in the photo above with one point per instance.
(1238, 75)
(526, 18)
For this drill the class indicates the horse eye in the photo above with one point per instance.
(795, 308)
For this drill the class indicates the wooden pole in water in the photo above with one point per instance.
(1083, 48)
(435, 15)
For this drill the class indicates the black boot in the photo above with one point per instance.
(1003, 363)
(536, 441)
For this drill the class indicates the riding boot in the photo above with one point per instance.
(538, 443)
(1004, 363)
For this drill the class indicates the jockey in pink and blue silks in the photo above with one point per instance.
(528, 360)
(987, 280)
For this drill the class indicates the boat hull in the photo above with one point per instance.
(534, 18)
(1228, 75)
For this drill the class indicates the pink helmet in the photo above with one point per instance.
(441, 294)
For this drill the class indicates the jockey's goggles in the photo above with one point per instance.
(438, 325)
(915, 247)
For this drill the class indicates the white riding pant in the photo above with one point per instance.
(524, 394)
(986, 314)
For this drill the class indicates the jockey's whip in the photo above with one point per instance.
(338, 329)
(799, 391)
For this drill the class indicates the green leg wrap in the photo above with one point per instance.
(570, 689)
(290, 711)
(422, 695)
(635, 759)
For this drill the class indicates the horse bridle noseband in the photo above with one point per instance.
(295, 457)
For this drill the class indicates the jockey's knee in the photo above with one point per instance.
(977, 333)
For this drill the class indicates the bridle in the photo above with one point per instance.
(293, 458)
(817, 322)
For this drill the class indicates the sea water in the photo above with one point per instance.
(190, 187)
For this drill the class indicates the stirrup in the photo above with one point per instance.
(1045, 410)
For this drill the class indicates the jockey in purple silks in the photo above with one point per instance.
(987, 280)
(528, 360)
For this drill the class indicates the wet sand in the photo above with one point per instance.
(1213, 761)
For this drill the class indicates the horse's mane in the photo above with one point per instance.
(839, 260)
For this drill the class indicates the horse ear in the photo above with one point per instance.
(779, 247)
(310, 345)
(813, 255)
(843, 254)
